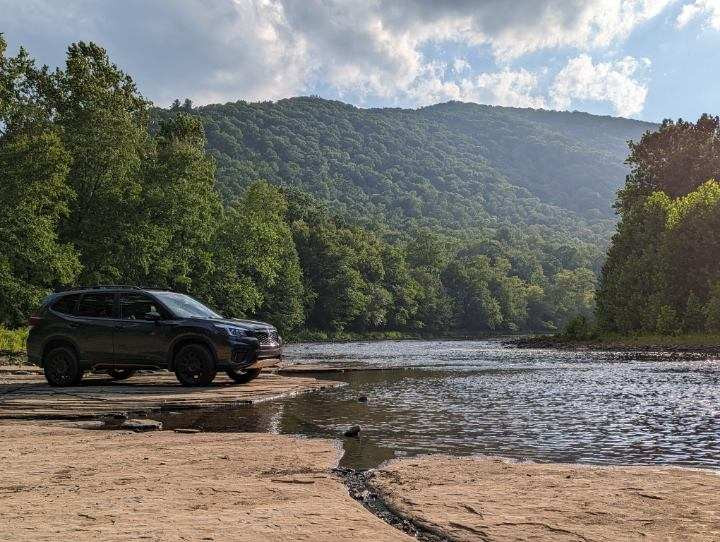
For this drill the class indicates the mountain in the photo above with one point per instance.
(450, 166)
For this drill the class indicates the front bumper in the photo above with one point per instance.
(250, 354)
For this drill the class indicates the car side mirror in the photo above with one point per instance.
(153, 316)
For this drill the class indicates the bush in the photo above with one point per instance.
(580, 329)
(667, 321)
(12, 341)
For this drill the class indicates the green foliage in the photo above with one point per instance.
(694, 317)
(712, 309)
(667, 321)
(447, 220)
(665, 257)
(12, 341)
(580, 328)
(451, 165)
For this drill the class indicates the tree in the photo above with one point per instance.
(678, 157)
(34, 197)
(171, 225)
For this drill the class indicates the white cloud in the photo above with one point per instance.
(611, 82)
(373, 51)
(517, 88)
(460, 65)
(707, 9)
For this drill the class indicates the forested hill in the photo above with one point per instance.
(452, 165)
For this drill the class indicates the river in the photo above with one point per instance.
(478, 397)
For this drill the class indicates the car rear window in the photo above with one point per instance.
(97, 305)
(66, 304)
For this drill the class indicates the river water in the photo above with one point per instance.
(478, 397)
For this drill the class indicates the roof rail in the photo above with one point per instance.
(98, 287)
(101, 286)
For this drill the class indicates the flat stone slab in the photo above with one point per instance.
(488, 499)
(26, 396)
(59, 483)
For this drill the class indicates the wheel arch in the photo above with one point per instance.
(57, 342)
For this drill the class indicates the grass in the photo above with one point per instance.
(12, 341)
(12, 346)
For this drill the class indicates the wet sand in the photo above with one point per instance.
(467, 499)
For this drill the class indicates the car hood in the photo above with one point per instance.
(247, 324)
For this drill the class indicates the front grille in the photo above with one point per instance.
(266, 337)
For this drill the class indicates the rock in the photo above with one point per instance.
(362, 399)
(187, 430)
(139, 425)
(91, 424)
(352, 431)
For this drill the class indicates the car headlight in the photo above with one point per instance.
(233, 331)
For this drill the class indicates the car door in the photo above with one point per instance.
(93, 327)
(141, 333)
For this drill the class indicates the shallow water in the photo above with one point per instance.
(467, 397)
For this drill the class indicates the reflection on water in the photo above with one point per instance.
(478, 397)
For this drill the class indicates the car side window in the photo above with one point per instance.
(137, 307)
(96, 305)
(66, 304)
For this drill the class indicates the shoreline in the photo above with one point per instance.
(64, 482)
(69, 480)
(652, 346)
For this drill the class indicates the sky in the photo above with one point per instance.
(644, 59)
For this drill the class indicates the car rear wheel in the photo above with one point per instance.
(241, 377)
(121, 374)
(194, 366)
(62, 368)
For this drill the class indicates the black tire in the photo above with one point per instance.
(194, 366)
(121, 374)
(241, 377)
(62, 368)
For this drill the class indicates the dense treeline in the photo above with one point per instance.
(663, 268)
(452, 165)
(97, 187)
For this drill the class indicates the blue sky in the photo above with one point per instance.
(646, 59)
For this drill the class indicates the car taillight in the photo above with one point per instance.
(34, 320)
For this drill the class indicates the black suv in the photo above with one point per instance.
(120, 329)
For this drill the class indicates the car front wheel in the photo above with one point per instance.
(194, 366)
(241, 377)
(62, 368)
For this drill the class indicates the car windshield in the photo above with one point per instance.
(184, 306)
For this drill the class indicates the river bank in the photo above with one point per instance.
(481, 499)
(66, 483)
(435, 409)
(70, 484)
(669, 346)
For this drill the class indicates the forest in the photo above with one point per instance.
(314, 215)
(662, 274)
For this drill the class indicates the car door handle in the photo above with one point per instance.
(73, 324)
